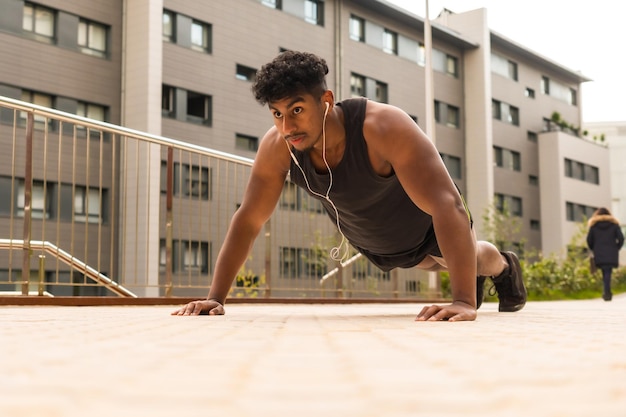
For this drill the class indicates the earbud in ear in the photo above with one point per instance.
(327, 105)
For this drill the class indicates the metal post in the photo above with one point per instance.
(169, 216)
(42, 262)
(28, 192)
(268, 259)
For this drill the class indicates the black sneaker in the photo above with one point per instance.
(480, 291)
(510, 285)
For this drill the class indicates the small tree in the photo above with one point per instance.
(502, 228)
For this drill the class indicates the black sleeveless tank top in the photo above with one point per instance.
(375, 214)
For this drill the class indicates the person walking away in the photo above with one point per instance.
(605, 238)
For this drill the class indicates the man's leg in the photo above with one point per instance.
(506, 274)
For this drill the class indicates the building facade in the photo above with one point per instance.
(183, 69)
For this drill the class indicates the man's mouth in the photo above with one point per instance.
(295, 139)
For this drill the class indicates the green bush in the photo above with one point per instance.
(547, 277)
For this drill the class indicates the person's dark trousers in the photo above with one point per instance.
(606, 280)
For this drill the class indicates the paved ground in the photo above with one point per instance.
(551, 359)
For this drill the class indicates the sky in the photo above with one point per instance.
(583, 36)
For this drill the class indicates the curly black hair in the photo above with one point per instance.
(289, 74)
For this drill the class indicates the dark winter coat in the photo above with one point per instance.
(605, 238)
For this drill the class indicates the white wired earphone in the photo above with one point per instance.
(336, 252)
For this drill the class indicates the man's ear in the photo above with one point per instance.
(329, 98)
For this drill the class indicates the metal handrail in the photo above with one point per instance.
(69, 260)
(342, 264)
(119, 130)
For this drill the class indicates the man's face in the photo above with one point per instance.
(299, 120)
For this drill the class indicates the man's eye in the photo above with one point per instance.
(297, 110)
(278, 115)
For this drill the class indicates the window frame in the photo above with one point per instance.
(205, 33)
(86, 47)
(35, 23)
(357, 28)
(390, 42)
(199, 101)
(314, 12)
(252, 142)
(169, 28)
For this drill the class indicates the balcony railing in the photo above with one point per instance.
(142, 215)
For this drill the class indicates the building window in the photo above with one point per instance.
(505, 112)
(199, 108)
(508, 203)
(533, 180)
(296, 199)
(301, 263)
(531, 136)
(390, 42)
(357, 29)
(362, 269)
(452, 66)
(559, 91)
(200, 36)
(88, 204)
(39, 99)
(381, 92)
(504, 67)
(535, 224)
(421, 55)
(447, 114)
(545, 85)
(245, 73)
(289, 196)
(530, 93)
(274, 4)
(573, 100)
(169, 26)
(357, 85)
(453, 164)
(40, 204)
(168, 101)
(578, 212)
(506, 158)
(187, 256)
(581, 171)
(314, 12)
(445, 63)
(92, 38)
(39, 21)
(246, 143)
(189, 181)
(411, 287)
(91, 111)
(361, 86)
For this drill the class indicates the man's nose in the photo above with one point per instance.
(288, 125)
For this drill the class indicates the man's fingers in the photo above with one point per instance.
(187, 309)
(196, 308)
(427, 312)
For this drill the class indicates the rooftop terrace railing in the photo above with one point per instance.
(121, 212)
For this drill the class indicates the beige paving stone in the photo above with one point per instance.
(551, 359)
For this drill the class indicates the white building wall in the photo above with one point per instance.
(556, 189)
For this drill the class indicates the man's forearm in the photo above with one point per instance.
(232, 256)
(459, 251)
